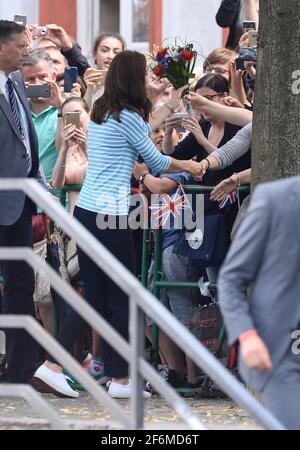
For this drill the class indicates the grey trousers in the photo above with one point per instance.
(282, 393)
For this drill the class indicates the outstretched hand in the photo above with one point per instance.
(224, 188)
(255, 354)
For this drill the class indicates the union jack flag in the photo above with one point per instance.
(230, 198)
(168, 206)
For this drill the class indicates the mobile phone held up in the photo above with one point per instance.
(21, 20)
(70, 77)
(72, 118)
(38, 91)
(249, 25)
(180, 116)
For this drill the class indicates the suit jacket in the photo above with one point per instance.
(265, 258)
(13, 155)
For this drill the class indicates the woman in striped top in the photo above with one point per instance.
(117, 134)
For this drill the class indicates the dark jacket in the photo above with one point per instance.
(228, 16)
(13, 155)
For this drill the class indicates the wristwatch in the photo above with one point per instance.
(142, 177)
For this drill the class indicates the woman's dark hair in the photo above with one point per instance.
(125, 88)
(213, 81)
(108, 35)
(77, 100)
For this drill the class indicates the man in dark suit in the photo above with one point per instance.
(259, 288)
(18, 159)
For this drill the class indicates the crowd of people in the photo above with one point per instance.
(125, 132)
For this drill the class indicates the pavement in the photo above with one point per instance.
(86, 413)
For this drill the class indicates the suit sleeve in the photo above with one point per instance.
(242, 265)
(77, 59)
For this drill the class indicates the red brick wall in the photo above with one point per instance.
(61, 12)
(155, 23)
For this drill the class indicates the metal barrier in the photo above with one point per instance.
(140, 300)
(42, 406)
(158, 281)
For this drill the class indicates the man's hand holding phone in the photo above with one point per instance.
(55, 98)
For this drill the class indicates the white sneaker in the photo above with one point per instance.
(117, 390)
(56, 381)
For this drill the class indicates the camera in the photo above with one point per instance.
(40, 32)
(245, 54)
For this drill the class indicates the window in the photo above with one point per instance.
(140, 20)
(134, 27)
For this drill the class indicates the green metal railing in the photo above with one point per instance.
(159, 282)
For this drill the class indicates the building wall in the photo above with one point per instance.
(29, 8)
(60, 12)
(192, 21)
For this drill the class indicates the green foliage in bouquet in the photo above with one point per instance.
(175, 63)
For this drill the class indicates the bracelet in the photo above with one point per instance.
(170, 108)
(143, 176)
(205, 159)
(244, 336)
(238, 179)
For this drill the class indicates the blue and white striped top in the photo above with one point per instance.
(113, 149)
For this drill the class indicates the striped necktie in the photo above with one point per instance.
(15, 113)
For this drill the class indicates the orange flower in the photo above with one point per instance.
(187, 55)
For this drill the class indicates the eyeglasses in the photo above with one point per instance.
(218, 70)
(210, 97)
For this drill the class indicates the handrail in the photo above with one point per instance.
(146, 302)
(41, 405)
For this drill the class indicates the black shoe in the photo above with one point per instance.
(175, 379)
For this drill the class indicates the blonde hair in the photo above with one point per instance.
(219, 56)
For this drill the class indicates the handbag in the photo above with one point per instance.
(72, 261)
(215, 242)
(207, 326)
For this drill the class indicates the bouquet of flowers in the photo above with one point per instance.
(175, 63)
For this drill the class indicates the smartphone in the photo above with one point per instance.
(249, 25)
(182, 115)
(70, 77)
(253, 36)
(73, 118)
(40, 32)
(38, 90)
(240, 65)
(21, 20)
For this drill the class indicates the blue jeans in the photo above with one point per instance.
(102, 293)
